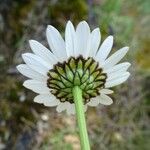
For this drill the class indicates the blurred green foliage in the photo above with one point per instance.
(64, 10)
(122, 126)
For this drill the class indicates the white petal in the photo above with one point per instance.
(95, 41)
(117, 81)
(51, 104)
(82, 39)
(116, 75)
(62, 106)
(36, 86)
(47, 100)
(69, 39)
(119, 67)
(85, 108)
(36, 63)
(93, 102)
(71, 109)
(104, 49)
(105, 100)
(41, 98)
(56, 43)
(30, 73)
(43, 52)
(115, 58)
(106, 91)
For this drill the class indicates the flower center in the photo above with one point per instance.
(81, 72)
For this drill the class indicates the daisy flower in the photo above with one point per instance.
(79, 60)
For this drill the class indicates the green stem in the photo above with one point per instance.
(77, 94)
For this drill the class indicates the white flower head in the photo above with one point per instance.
(79, 60)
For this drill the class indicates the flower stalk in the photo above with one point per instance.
(77, 94)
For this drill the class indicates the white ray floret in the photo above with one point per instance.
(36, 86)
(105, 49)
(30, 73)
(56, 43)
(69, 39)
(80, 44)
(43, 52)
(95, 38)
(47, 100)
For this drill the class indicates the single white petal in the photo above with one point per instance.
(36, 63)
(56, 43)
(30, 73)
(47, 100)
(117, 81)
(62, 106)
(54, 101)
(51, 104)
(41, 98)
(119, 67)
(69, 38)
(115, 58)
(116, 75)
(85, 108)
(104, 49)
(36, 86)
(95, 41)
(105, 100)
(93, 102)
(106, 91)
(43, 52)
(71, 109)
(82, 39)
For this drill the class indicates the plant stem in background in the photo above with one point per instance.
(77, 94)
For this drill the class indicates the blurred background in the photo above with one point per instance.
(25, 125)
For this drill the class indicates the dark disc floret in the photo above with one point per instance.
(81, 72)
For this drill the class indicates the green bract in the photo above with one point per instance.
(81, 72)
